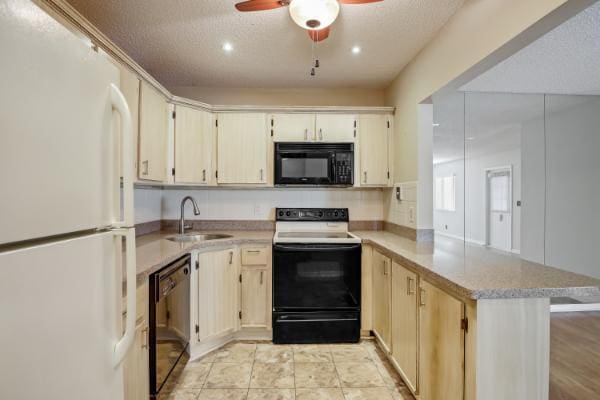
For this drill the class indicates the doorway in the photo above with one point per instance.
(499, 208)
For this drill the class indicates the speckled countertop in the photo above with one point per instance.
(154, 251)
(475, 272)
(469, 271)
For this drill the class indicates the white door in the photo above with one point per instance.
(499, 182)
(60, 312)
(58, 166)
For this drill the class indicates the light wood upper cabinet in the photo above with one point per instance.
(381, 268)
(442, 345)
(335, 128)
(130, 87)
(292, 127)
(194, 146)
(374, 139)
(242, 143)
(218, 293)
(153, 138)
(405, 323)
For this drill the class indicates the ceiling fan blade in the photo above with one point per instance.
(259, 5)
(358, 1)
(319, 35)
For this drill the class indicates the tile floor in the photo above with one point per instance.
(264, 371)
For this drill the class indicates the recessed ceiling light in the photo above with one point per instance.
(356, 50)
(228, 47)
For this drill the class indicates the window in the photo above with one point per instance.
(499, 191)
(445, 193)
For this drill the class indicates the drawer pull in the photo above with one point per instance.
(422, 297)
(409, 286)
(253, 251)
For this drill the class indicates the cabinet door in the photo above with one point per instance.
(152, 163)
(441, 356)
(335, 128)
(381, 297)
(242, 148)
(194, 142)
(404, 323)
(374, 147)
(217, 294)
(255, 294)
(130, 87)
(293, 127)
(135, 366)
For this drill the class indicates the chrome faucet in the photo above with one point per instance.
(182, 217)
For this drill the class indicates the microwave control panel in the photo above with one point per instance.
(344, 168)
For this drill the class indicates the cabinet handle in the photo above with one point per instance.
(385, 271)
(409, 285)
(145, 338)
(252, 251)
(422, 297)
(145, 167)
(261, 174)
(261, 277)
(203, 175)
(320, 134)
(306, 134)
(230, 257)
(365, 176)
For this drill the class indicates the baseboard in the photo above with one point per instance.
(556, 308)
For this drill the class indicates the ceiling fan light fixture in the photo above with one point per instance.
(314, 14)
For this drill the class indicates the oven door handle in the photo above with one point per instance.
(290, 248)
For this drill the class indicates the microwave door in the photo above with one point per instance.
(301, 168)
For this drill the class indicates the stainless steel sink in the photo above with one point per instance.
(196, 237)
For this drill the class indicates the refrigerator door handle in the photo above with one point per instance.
(119, 103)
(124, 343)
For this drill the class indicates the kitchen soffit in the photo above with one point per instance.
(180, 43)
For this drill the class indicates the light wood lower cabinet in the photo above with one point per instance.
(382, 286)
(442, 345)
(405, 323)
(256, 288)
(136, 364)
(218, 293)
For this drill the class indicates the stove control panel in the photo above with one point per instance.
(312, 214)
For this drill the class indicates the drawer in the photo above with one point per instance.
(255, 256)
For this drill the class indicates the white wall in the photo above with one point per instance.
(402, 212)
(147, 205)
(219, 204)
(469, 219)
(573, 183)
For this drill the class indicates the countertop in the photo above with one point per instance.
(154, 251)
(476, 272)
(469, 271)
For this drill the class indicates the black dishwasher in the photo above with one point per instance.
(169, 330)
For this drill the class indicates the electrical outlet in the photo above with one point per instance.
(411, 215)
(257, 210)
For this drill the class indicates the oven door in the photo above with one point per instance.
(316, 277)
(304, 167)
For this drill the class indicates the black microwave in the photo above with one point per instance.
(316, 164)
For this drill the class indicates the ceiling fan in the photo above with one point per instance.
(316, 16)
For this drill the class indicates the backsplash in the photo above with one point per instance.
(240, 204)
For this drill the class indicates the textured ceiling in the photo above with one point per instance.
(179, 42)
(564, 61)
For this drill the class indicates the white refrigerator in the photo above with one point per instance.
(66, 219)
